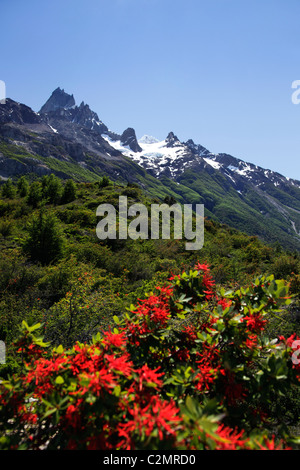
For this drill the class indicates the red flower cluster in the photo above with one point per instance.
(225, 303)
(129, 389)
(155, 308)
(255, 322)
(207, 280)
(114, 339)
(157, 415)
(230, 439)
(209, 367)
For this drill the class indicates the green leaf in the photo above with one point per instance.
(191, 406)
(151, 384)
(117, 391)
(35, 327)
(48, 413)
(181, 316)
(59, 349)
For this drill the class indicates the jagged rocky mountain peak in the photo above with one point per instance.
(84, 105)
(84, 112)
(172, 139)
(190, 143)
(61, 112)
(128, 138)
(58, 99)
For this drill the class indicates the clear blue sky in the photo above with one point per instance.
(216, 71)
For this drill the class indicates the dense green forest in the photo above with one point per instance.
(55, 272)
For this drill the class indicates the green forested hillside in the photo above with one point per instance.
(54, 269)
(87, 324)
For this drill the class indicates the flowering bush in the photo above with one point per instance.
(186, 368)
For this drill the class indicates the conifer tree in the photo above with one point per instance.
(8, 189)
(35, 194)
(45, 242)
(23, 186)
(69, 192)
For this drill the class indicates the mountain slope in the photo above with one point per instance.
(71, 141)
(65, 141)
(235, 192)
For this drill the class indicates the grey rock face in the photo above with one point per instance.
(172, 139)
(129, 139)
(18, 113)
(58, 99)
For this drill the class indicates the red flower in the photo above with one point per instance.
(269, 444)
(114, 339)
(251, 341)
(230, 439)
(155, 308)
(189, 333)
(225, 303)
(205, 377)
(136, 331)
(147, 375)
(43, 371)
(201, 267)
(96, 382)
(73, 416)
(119, 364)
(209, 284)
(157, 416)
(85, 359)
(255, 322)
(291, 339)
(166, 291)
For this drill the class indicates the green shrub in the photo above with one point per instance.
(104, 182)
(6, 227)
(35, 194)
(23, 186)
(9, 189)
(69, 192)
(285, 265)
(45, 242)
(186, 368)
(52, 189)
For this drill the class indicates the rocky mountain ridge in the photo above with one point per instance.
(71, 141)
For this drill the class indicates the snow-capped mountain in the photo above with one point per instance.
(148, 139)
(71, 140)
(167, 157)
(171, 157)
